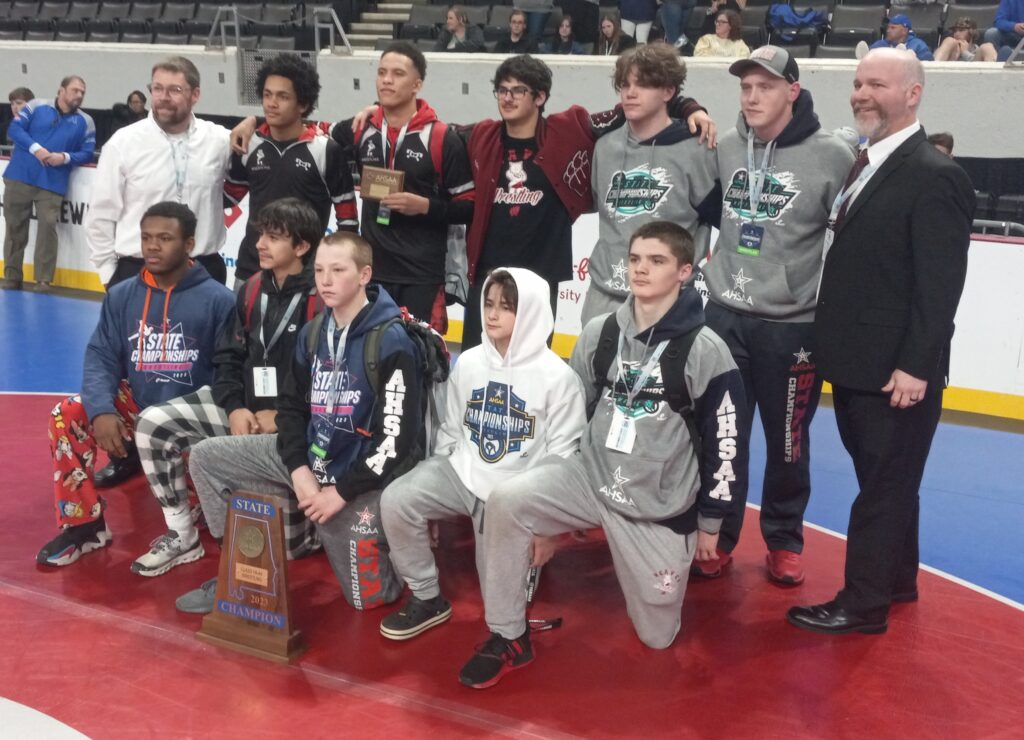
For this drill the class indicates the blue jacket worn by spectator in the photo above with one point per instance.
(911, 42)
(41, 124)
(1010, 13)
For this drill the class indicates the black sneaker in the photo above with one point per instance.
(494, 659)
(414, 617)
(74, 542)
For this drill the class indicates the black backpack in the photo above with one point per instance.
(673, 372)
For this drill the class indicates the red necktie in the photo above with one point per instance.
(858, 166)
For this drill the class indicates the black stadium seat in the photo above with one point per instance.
(106, 19)
(851, 24)
(173, 39)
(102, 37)
(39, 36)
(136, 38)
(173, 17)
(140, 18)
(280, 43)
(47, 17)
(70, 36)
(77, 15)
(834, 52)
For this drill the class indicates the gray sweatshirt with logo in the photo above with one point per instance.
(670, 176)
(806, 170)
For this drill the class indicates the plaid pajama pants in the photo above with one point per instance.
(166, 432)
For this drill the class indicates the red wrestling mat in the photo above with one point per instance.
(105, 651)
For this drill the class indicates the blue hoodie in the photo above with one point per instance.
(1010, 13)
(182, 326)
(370, 436)
(913, 43)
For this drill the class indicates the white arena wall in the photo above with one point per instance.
(988, 357)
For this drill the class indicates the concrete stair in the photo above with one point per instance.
(379, 23)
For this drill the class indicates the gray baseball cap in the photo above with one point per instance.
(771, 58)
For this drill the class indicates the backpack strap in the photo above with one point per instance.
(313, 337)
(371, 352)
(601, 362)
(252, 289)
(436, 146)
(314, 305)
(673, 379)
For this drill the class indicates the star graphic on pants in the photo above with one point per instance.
(365, 517)
(739, 281)
(802, 356)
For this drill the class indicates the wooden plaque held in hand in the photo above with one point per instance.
(251, 611)
(378, 182)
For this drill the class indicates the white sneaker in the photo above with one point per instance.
(861, 49)
(167, 551)
(681, 41)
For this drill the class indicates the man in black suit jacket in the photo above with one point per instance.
(891, 282)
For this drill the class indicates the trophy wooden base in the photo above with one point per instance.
(279, 648)
(252, 610)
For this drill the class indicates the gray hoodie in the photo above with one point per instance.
(660, 479)
(806, 169)
(669, 176)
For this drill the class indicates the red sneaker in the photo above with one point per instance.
(711, 568)
(785, 567)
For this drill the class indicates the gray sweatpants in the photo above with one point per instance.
(651, 561)
(431, 490)
(353, 538)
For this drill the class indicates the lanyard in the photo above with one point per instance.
(384, 142)
(337, 353)
(756, 178)
(847, 193)
(280, 326)
(645, 373)
(180, 172)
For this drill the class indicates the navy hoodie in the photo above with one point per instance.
(370, 435)
(180, 332)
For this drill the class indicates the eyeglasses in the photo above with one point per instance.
(516, 92)
(174, 91)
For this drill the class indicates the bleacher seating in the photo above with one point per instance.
(854, 23)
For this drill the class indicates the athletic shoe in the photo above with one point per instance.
(41, 287)
(199, 600)
(414, 617)
(681, 41)
(861, 50)
(711, 568)
(74, 542)
(785, 567)
(8, 284)
(495, 658)
(167, 551)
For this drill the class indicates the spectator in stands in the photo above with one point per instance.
(125, 114)
(1009, 28)
(585, 14)
(962, 44)
(18, 98)
(564, 42)
(717, 6)
(653, 168)
(726, 41)
(185, 160)
(612, 40)
(675, 14)
(537, 12)
(900, 34)
(459, 34)
(286, 157)
(50, 138)
(637, 17)
(943, 141)
(517, 41)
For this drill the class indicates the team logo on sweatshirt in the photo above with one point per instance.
(637, 191)
(776, 195)
(497, 421)
(648, 401)
(345, 397)
(166, 357)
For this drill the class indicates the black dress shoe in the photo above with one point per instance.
(118, 470)
(833, 619)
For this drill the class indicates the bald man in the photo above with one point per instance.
(895, 263)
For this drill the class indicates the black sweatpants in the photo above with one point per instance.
(776, 361)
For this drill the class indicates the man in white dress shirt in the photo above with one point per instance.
(168, 156)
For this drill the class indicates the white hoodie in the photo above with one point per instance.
(488, 439)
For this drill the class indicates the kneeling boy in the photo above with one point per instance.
(339, 440)
(510, 401)
(657, 480)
